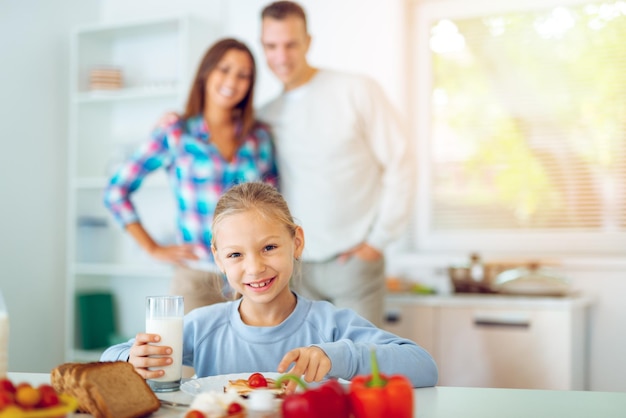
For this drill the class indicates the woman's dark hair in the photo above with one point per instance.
(197, 100)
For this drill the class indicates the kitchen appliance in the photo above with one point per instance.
(531, 280)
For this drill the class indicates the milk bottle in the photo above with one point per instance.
(4, 337)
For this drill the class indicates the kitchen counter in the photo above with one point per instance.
(489, 300)
(463, 402)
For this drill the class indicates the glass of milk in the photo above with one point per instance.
(164, 316)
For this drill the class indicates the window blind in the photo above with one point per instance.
(526, 123)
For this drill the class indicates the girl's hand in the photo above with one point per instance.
(312, 362)
(174, 253)
(140, 351)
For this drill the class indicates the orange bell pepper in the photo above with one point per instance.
(380, 396)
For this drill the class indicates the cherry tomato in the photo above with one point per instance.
(194, 413)
(49, 397)
(7, 385)
(257, 380)
(234, 408)
(6, 399)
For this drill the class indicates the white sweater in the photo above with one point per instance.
(345, 165)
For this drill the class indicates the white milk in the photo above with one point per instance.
(171, 332)
(4, 342)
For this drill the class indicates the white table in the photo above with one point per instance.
(458, 402)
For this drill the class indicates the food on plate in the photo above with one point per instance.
(257, 380)
(243, 387)
(7, 385)
(216, 405)
(194, 413)
(27, 396)
(24, 400)
(106, 389)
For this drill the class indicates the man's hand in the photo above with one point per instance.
(364, 251)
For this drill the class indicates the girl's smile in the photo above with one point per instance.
(260, 285)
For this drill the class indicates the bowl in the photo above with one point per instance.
(67, 405)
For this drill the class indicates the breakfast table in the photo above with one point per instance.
(452, 402)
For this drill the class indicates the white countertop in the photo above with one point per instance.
(491, 300)
(458, 402)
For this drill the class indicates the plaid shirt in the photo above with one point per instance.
(197, 172)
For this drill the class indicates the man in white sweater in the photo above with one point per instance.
(345, 167)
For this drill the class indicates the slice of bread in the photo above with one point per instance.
(106, 389)
(57, 376)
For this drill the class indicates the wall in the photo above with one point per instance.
(34, 40)
(365, 36)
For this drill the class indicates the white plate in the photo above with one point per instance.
(217, 383)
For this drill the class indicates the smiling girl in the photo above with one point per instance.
(269, 327)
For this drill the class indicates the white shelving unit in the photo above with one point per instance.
(158, 59)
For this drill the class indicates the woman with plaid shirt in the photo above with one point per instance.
(213, 145)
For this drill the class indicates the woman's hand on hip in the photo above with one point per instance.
(174, 253)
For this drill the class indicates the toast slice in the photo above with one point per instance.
(58, 375)
(107, 389)
(64, 379)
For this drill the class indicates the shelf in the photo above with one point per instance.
(126, 94)
(99, 183)
(111, 269)
(124, 29)
(105, 128)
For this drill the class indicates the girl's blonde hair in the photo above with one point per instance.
(260, 197)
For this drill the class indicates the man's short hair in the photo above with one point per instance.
(280, 10)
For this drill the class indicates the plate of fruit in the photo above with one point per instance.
(23, 400)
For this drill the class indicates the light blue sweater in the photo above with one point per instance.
(216, 342)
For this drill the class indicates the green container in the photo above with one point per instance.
(96, 320)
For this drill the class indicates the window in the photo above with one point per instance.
(521, 126)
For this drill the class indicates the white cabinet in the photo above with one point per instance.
(497, 341)
(157, 59)
(412, 321)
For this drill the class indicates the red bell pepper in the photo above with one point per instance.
(379, 396)
(329, 400)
